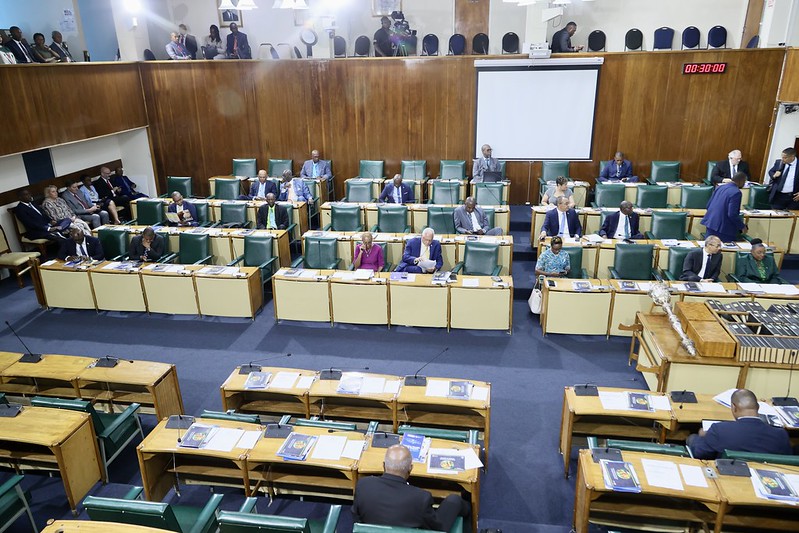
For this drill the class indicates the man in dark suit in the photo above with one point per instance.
(748, 433)
(618, 169)
(562, 39)
(149, 246)
(260, 188)
(186, 212)
(19, 46)
(60, 47)
(623, 224)
(237, 46)
(109, 191)
(722, 218)
(784, 185)
(37, 225)
(188, 40)
(561, 221)
(272, 215)
(389, 500)
(126, 185)
(423, 248)
(703, 264)
(396, 192)
(726, 169)
(80, 246)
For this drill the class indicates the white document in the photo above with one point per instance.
(426, 264)
(224, 439)
(471, 282)
(364, 274)
(787, 290)
(110, 266)
(707, 423)
(663, 474)
(793, 481)
(659, 403)
(283, 380)
(173, 217)
(470, 459)
(305, 382)
(329, 447)
(308, 274)
(437, 388)
(679, 287)
(744, 245)
(712, 287)
(353, 449)
(614, 401)
(372, 385)
(693, 475)
(479, 394)
(48, 263)
(771, 412)
(751, 287)
(593, 238)
(669, 242)
(725, 398)
(345, 275)
(643, 286)
(685, 244)
(248, 440)
(392, 386)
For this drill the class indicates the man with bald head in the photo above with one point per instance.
(419, 250)
(389, 500)
(726, 169)
(316, 168)
(487, 162)
(471, 220)
(108, 191)
(748, 433)
(623, 224)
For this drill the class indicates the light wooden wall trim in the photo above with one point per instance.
(789, 92)
(471, 18)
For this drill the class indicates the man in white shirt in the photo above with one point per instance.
(784, 192)
(726, 169)
(471, 220)
(703, 264)
(19, 46)
(622, 225)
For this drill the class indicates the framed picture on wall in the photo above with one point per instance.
(230, 15)
(301, 16)
(382, 8)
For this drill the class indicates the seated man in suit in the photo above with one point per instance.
(421, 249)
(784, 186)
(175, 49)
(237, 45)
(60, 47)
(260, 188)
(623, 224)
(487, 162)
(125, 184)
(109, 191)
(562, 221)
(80, 247)
(748, 433)
(722, 217)
(186, 212)
(19, 46)
(389, 500)
(703, 264)
(93, 214)
(316, 168)
(272, 215)
(396, 192)
(149, 246)
(294, 189)
(37, 224)
(619, 169)
(471, 220)
(726, 169)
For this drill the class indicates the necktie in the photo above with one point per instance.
(25, 51)
(81, 200)
(316, 170)
(271, 224)
(626, 227)
(110, 188)
(618, 170)
(235, 44)
(397, 195)
(82, 250)
(562, 224)
(183, 39)
(734, 169)
(34, 208)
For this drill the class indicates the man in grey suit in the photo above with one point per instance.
(60, 47)
(316, 168)
(484, 163)
(91, 213)
(471, 220)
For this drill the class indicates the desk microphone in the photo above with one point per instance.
(250, 367)
(109, 361)
(420, 381)
(330, 374)
(28, 357)
(782, 401)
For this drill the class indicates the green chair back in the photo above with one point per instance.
(371, 528)
(609, 194)
(194, 247)
(480, 258)
(227, 188)
(278, 166)
(257, 249)
(575, 261)
(370, 169)
(392, 219)
(502, 168)
(181, 184)
(664, 171)
(313, 187)
(113, 241)
(550, 170)
(633, 261)
(489, 213)
(321, 252)
(648, 447)
(359, 191)
(695, 197)
(234, 213)
(666, 225)
(676, 260)
(231, 417)
(602, 165)
(345, 218)
(149, 212)
(245, 167)
(488, 193)
(203, 217)
(452, 169)
(415, 169)
(457, 435)
(710, 166)
(445, 192)
(758, 197)
(652, 196)
(441, 220)
(135, 512)
(14, 503)
(233, 522)
(770, 458)
(326, 424)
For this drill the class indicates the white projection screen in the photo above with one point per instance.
(537, 113)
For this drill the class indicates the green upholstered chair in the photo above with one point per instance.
(441, 220)
(14, 503)
(258, 253)
(488, 193)
(662, 171)
(181, 518)
(392, 219)
(195, 249)
(371, 169)
(313, 207)
(320, 253)
(675, 263)
(413, 169)
(278, 166)
(149, 212)
(169, 256)
(114, 430)
(234, 215)
(245, 167)
(457, 527)
(709, 172)
(489, 213)
(247, 521)
(576, 262)
(739, 257)
(550, 170)
(502, 165)
(479, 259)
(608, 195)
(114, 243)
(358, 191)
(652, 196)
(386, 265)
(203, 216)
(181, 184)
(452, 169)
(695, 197)
(675, 450)
(602, 165)
(290, 229)
(227, 188)
(633, 261)
(325, 424)
(667, 225)
(445, 193)
(769, 458)
(602, 216)
(345, 218)
(469, 436)
(758, 197)
(231, 416)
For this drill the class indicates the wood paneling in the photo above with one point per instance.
(46, 105)
(471, 18)
(789, 92)
(754, 14)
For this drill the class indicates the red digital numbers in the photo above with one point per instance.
(704, 68)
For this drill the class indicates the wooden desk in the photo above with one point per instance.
(326, 402)
(7, 359)
(42, 438)
(688, 417)
(238, 295)
(280, 244)
(172, 293)
(293, 401)
(70, 288)
(481, 307)
(305, 299)
(117, 290)
(54, 375)
(360, 302)
(91, 526)
(565, 310)
(419, 303)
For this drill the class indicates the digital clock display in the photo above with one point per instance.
(704, 68)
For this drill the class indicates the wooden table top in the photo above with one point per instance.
(265, 449)
(739, 490)
(328, 387)
(417, 395)
(164, 440)
(592, 405)
(372, 462)
(41, 425)
(91, 526)
(8, 358)
(235, 381)
(145, 373)
(51, 366)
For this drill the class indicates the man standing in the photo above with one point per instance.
(146, 247)
(471, 220)
(382, 39)
(294, 189)
(619, 169)
(80, 247)
(562, 39)
(419, 250)
(237, 46)
(272, 215)
(396, 192)
(622, 225)
(726, 169)
(784, 192)
(562, 221)
(316, 168)
(722, 218)
(188, 40)
(19, 46)
(260, 188)
(703, 264)
(484, 163)
(175, 49)
(60, 47)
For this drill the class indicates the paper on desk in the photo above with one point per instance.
(744, 245)
(308, 274)
(725, 398)
(372, 385)
(693, 475)
(345, 275)
(48, 263)
(707, 423)
(659, 403)
(470, 459)
(392, 386)
(329, 447)
(679, 287)
(712, 287)
(224, 439)
(283, 380)
(751, 287)
(614, 401)
(353, 449)
(663, 474)
(479, 394)
(643, 286)
(248, 439)
(471, 282)
(685, 244)
(305, 382)
(787, 290)
(793, 481)
(437, 388)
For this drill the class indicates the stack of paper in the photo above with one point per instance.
(329, 447)
(663, 474)
(284, 380)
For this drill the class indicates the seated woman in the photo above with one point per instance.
(214, 47)
(553, 263)
(93, 197)
(758, 267)
(41, 53)
(58, 210)
(368, 255)
(561, 188)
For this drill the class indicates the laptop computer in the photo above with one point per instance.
(490, 176)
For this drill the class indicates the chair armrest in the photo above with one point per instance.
(332, 519)
(732, 278)
(387, 267)
(407, 229)
(334, 264)
(164, 195)
(285, 419)
(267, 263)
(747, 237)
(123, 417)
(781, 280)
(168, 258)
(133, 494)
(657, 273)
(239, 259)
(206, 520)
(120, 257)
(496, 270)
(203, 261)
(212, 197)
(707, 181)
(10, 484)
(352, 266)
(593, 204)
(372, 428)
(613, 273)
(375, 228)
(326, 228)
(457, 268)
(650, 236)
(249, 506)
(344, 199)
(651, 181)
(297, 262)
(247, 224)
(472, 437)
(689, 237)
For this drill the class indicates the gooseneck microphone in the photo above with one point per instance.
(250, 367)
(420, 381)
(330, 374)
(787, 401)
(29, 357)
(109, 361)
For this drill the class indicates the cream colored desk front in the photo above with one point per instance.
(476, 303)
(304, 298)
(359, 302)
(117, 290)
(566, 310)
(66, 287)
(236, 295)
(171, 293)
(418, 302)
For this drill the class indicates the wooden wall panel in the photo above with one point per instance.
(789, 92)
(102, 99)
(471, 18)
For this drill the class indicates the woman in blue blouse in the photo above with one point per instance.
(553, 263)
